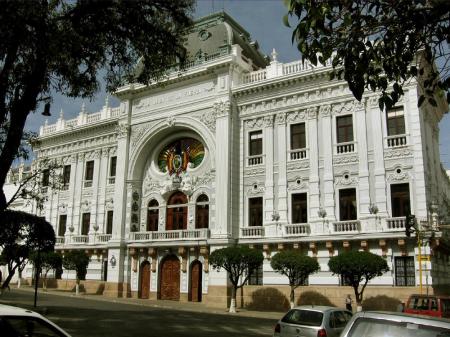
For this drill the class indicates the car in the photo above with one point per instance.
(428, 305)
(390, 324)
(312, 321)
(18, 322)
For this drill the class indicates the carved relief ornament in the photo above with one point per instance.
(325, 110)
(296, 116)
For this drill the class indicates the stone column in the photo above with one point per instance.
(328, 178)
(282, 162)
(101, 209)
(313, 154)
(268, 206)
(79, 181)
(95, 189)
(72, 185)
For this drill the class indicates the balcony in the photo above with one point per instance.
(350, 226)
(60, 240)
(342, 148)
(79, 239)
(396, 224)
(95, 239)
(191, 234)
(297, 154)
(396, 141)
(302, 229)
(88, 183)
(255, 160)
(252, 232)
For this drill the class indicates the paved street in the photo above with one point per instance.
(89, 317)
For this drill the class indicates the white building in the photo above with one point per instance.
(239, 148)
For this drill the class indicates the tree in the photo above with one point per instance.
(296, 266)
(374, 44)
(357, 269)
(240, 262)
(76, 260)
(60, 45)
(21, 234)
(46, 262)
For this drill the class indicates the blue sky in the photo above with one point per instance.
(263, 20)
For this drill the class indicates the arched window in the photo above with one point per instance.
(177, 211)
(202, 212)
(152, 215)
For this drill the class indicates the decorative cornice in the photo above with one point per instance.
(345, 159)
(296, 116)
(122, 130)
(325, 110)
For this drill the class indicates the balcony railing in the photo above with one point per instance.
(88, 183)
(252, 232)
(101, 238)
(347, 147)
(396, 140)
(346, 226)
(255, 76)
(397, 223)
(297, 154)
(255, 160)
(83, 239)
(78, 239)
(189, 234)
(60, 240)
(297, 230)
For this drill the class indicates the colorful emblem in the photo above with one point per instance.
(176, 157)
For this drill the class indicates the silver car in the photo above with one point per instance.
(312, 321)
(18, 322)
(389, 324)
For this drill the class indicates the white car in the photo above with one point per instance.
(18, 322)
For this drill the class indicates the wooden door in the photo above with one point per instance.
(145, 280)
(196, 282)
(170, 279)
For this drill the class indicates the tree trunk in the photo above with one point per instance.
(19, 281)
(8, 279)
(292, 297)
(77, 288)
(233, 300)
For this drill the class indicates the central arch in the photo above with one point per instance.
(169, 285)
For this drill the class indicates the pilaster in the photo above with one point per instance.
(327, 144)
(78, 188)
(268, 146)
(313, 144)
(95, 190)
(282, 162)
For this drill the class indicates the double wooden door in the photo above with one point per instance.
(170, 279)
(145, 280)
(196, 282)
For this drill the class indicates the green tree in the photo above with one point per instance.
(46, 262)
(76, 260)
(357, 269)
(374, 44)
(239, 262)
(59, 46)
(296, 266)
(21, 234)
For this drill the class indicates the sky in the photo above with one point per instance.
(263, 20)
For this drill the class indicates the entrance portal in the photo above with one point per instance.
(195, 293)
(170, 279)
(145, 280)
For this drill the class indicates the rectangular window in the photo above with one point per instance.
(89, 174)
(256, 278)
(255, 143)
(344, 129)
(298, 136)
(109, 222)
(405, 271)
(299, 208)
(85, 221)
(255, 210)
(66, 175)
(62, 224)
(112, 166)
(45, 177)
(347, 204)
(400, 202)
(395, 120)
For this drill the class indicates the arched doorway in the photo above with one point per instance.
(195, 291)
(169, 286)
(144, 291)
(177, 211)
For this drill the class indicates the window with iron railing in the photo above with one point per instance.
(255, 148)
(89, 173)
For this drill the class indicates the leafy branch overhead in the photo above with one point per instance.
(378, 45)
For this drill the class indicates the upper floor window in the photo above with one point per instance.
(109, 221)
(152, 215)
(66, 176)
(85, 222)
(202, 212)
(395, 120)
(344, 129)
(89, 173)
(298, 136)
(255, 147)
(255, 211)
(347, 204)
(400, 200)
(62, 224)
(299, 208)
(112, 170)
(45, 177)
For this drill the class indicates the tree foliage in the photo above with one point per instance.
(21, 234)
(46, 262)
(357, 269)
(76, 260)
(240, 262)
(296, 266)
(374, 44)
(50, 46)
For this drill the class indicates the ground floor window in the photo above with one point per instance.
(405, 271)
(256, 278)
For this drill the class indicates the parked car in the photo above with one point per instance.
(390, 324)
(428, 305)
(18, 322)
(312, 321)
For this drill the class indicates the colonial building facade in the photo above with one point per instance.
(241, 148)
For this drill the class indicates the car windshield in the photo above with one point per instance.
(303, 317)
(368, 327)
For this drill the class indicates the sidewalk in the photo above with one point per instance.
(169, 305)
